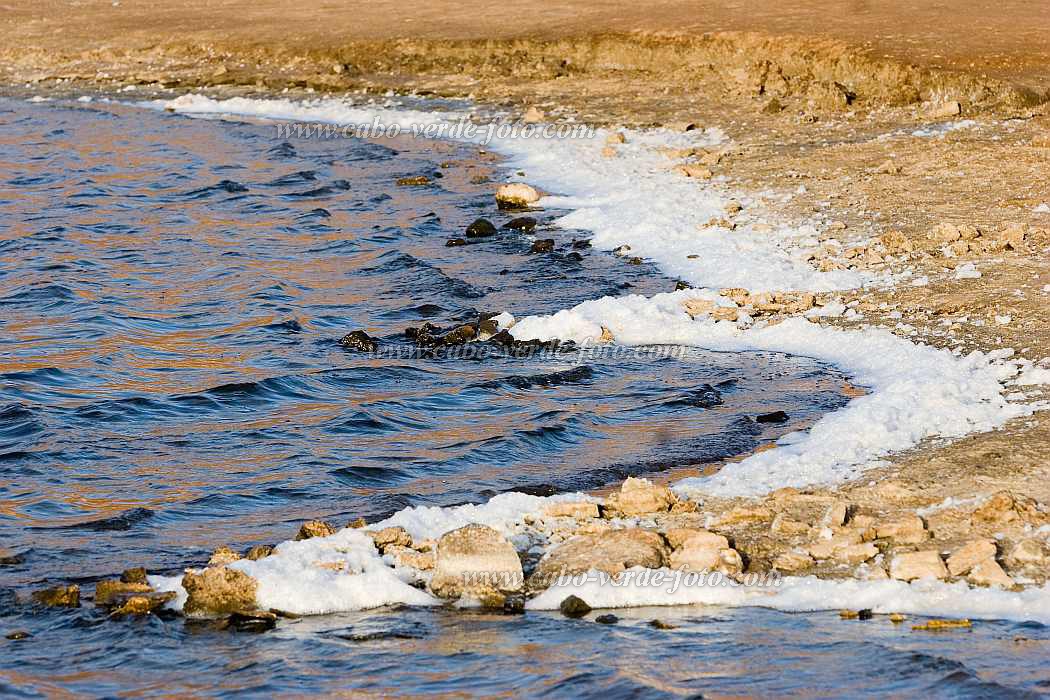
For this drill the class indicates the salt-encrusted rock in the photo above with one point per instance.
(222, 556)
(783, 525)
(640, 497)
(406, 556)
(314, 528)
(908, 566)
(612, 551)
(997, 510)
(732, 207)
(1028, 552)
(580, 510)
(478, 561)
(725, 313)
(835, 515)
(516, 195)
(695, 171)
(533, 115)
(907, 530)
(676, 537)
(390, 537)
(969, 555)
(259, 551)
(826, 548)
(706, 551)
(218, 591)
(108, 593)
(745, 515)
(856, 553)
(989, 573)
(609, 152)
(792, 562)
(698, 307)
(615, 137)
(942, 110)
(59, 596)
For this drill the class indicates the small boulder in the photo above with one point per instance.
(475, 560)
(481, 228)
(525, 224)
(611, 552)
(997, 510)
(516, 195)
(908, 566)
(314, 528)
(218, 591)
(792, 562)
(677, 537)
(406, 556)
(579, 510)
(989, 573)
(641, 497)
(774, 417)
(943, 110)
(544, 245)
(390, 537)
(137, 574)
(144, 604)
(607, 619)
(533, 115)
(359, 340)
(59, 596)
(574, 606)
(222, 556)
(1028, 552)
(615, 137)
(259, 551)
(969, 555)
(908, 530)
(110, 593)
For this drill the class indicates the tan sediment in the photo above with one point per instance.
(838, 137)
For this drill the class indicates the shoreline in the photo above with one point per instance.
(846, 187)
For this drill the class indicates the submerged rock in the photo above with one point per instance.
(359, 340)
(251, 621)
(143, 604)
(59, 596)
(574, 606)
(544, 245)
(477, 561)
(481, 228)
(218, 591)
(414, 181)
(607, 619)
(774, 417)
(525, 224)
(110, 593)
(455, 242)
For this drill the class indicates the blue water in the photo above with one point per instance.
(172, 291)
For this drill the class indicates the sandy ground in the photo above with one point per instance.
(822, 94)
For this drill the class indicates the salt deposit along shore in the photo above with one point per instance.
(814, 522)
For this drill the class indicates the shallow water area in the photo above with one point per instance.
(172, 291)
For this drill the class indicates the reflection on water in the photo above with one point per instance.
(171, 292)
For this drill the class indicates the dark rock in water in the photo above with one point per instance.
(661, 625)
(521, 223)
(580, 244)
(774, 417)
(574, 256)
(144, 604)
(413, 181)
(865, 614)
(608, 619)
(574, 606)
(460, 335)
(544, 245)
(634, 261)
(135, 575)
(251, 621)
(428, 335)
(17, 634)
(8, 559)
(504, 271)
(455, 242)
(59, 596)
(423, 336)
(259, 551)
(680, 285)
(514, 604)
(481, 228)
(359, 340)
(111, 593)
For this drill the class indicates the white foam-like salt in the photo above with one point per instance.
(915, 392)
